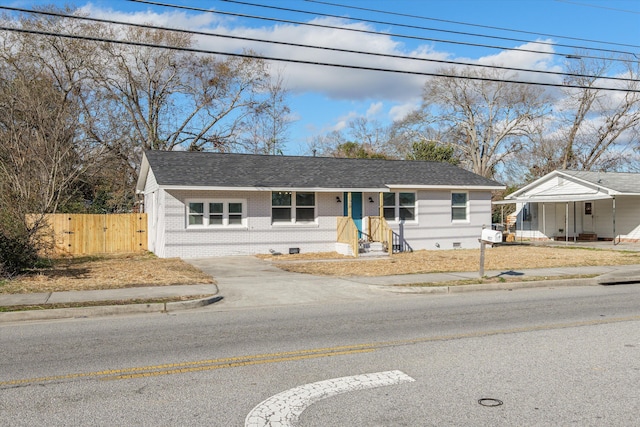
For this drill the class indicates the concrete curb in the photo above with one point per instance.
(106, 310)
(487, 286)
(188, 305)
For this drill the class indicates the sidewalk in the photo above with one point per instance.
(247, 281)
(192, 294)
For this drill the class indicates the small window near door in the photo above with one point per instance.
(407, 206)
(588, 208)
(399, 206)
(389, 201)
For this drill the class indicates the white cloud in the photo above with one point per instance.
(175, 19)
(335, 82)
(374, 110)
(398, 112)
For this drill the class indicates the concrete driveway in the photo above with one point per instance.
(246, 281)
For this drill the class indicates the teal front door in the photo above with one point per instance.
(356, 208)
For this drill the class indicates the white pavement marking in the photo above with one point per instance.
(284, 409)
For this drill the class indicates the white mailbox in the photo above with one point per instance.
(491, 236)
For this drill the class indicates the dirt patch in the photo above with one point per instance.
(498, 258)
(106, 272)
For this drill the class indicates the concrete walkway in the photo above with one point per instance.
(246, 281)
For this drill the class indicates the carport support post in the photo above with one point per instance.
(614, 220)
(566, 224)
(574, 222)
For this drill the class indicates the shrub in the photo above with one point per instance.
(17, 254)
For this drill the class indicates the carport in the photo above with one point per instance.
(555, 200)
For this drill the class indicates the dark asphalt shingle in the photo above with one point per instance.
(198, 169)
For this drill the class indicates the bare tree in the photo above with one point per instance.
(596, 128)
(362, 138)
(173, 98)
(130, 97)
(41, 158)
(266, 129)
(485, 121)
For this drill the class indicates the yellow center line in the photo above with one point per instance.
(201, 365)
(235, 364)
(289, 356)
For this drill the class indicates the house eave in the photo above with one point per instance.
(388, 188)
(275, 188)
(567, 198)
(447, 187)
(142, 177)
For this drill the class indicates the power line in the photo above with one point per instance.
(234, 37)
(598, 6)
(356, 30)
(317, 63)
(371, 21)
(489, 27)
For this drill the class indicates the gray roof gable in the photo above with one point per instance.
(205, 169)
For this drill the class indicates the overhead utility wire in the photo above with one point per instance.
(416, 27)
(489, 27)
(598, 6)
(299, 61)
(384, 55)
(333, 27)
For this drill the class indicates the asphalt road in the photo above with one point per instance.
(551, 356)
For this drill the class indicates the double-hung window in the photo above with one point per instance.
(216, 213)
(293, 207)
(459, 206)
(399, 206)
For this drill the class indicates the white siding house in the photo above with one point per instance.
(214, 204)
(576, 205)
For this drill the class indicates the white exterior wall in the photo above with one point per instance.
(434, 228)
(154, 202)
(627, 219)
(533, 228)
(259, 235)
(170, 237)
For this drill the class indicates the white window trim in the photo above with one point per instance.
(396, 208)
(294, 221)
(467, 219)
(225, 213)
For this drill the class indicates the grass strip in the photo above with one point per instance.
(11, 308)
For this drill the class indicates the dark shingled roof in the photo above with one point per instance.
(204, 169)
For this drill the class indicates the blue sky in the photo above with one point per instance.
(326, 98)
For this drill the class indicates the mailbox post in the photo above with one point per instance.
(490, 237)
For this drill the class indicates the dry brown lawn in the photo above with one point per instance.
(498, 258)
(131, 270)
(106, 272)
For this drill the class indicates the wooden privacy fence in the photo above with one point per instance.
(90, 234)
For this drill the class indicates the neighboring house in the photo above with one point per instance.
(213, 204)
(572, 205)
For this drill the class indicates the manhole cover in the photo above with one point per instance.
(490, 402)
